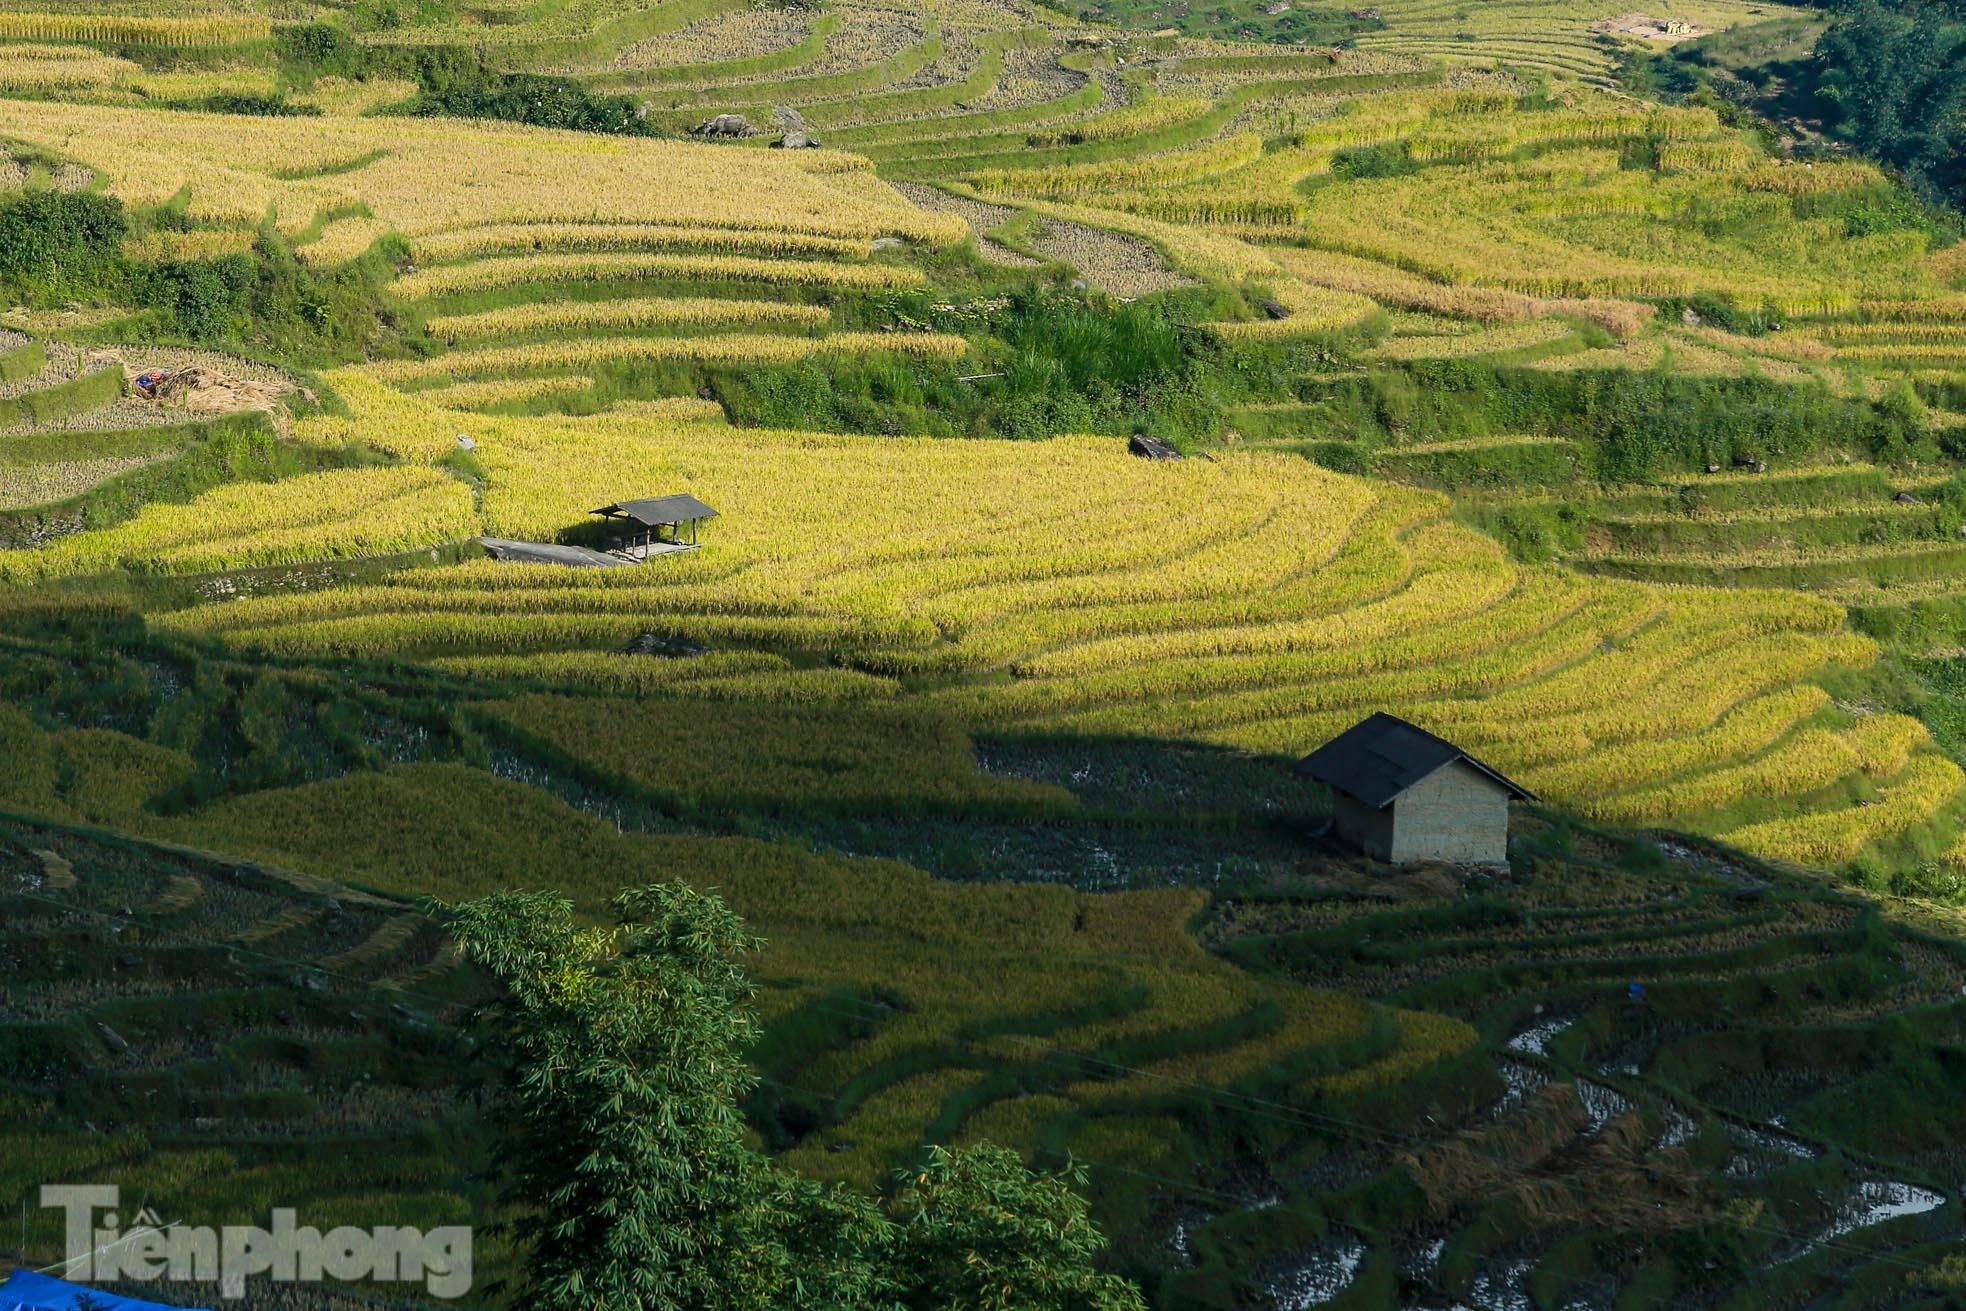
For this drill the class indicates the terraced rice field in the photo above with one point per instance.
(869, 1031)
(1485, 1049)
(1872, 538)
(1567, 39)
(1293, 601)
(1291, 1087)
(1514, 231)
(420, 182)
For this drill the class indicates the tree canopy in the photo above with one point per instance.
(623, 1067)
(1894, 84)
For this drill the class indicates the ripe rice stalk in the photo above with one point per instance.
(523, 270)
(1928, 784)
(575, 316)
(592, 352)
(1178, 166)
(540, 238)
(116, 29)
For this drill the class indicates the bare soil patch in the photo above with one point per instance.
(1651, 29)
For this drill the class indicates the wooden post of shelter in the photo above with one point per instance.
(652, 516)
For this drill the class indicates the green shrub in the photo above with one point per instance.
(54, 240)
(1062, 363)
(1536, 532)
(275, 106)
(457, 82)
(318, 49)
(1384, 161)
(1631, 427)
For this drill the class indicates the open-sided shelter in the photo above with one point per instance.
(656, 525)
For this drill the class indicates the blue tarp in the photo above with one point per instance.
(27, 1291)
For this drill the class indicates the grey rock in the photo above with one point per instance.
(664, 646)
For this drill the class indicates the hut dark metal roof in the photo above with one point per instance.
(680, 508)
(1378, 759)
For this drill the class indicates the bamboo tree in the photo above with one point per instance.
(625, 1155)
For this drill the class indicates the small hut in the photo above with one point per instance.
(1403, 794)
(654, 526)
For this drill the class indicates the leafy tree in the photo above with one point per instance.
(626, 1158)
(626, 1147)
(205, 299)
(1895, 80)
(983, 1234)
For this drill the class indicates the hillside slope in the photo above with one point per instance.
(1590, 432)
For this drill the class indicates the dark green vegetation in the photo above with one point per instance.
(1886, 78)
(57, 246)
(621, 1131)
(56, 242)
(280, 1038)
(450, 80)
(1628, 426)
(1052, 361)
(1894, 86)
(456, 83)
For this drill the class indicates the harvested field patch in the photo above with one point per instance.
(979, 215)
